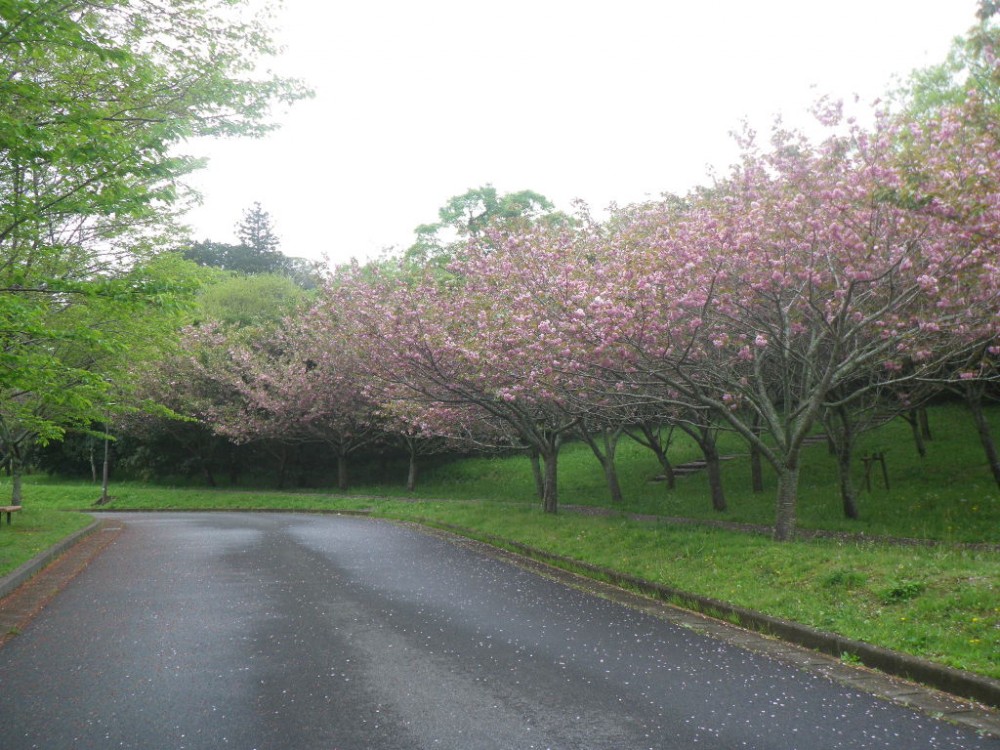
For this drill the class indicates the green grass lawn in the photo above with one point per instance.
(941, 603)
(950, 495)
(34, 529)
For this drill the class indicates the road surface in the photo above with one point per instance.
(288, 631)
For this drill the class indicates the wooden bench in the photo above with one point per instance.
(8, 509)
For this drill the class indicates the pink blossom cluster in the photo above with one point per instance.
(813, 273)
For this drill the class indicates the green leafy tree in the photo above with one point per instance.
(258, 249)
(472, 212)
(257, 253)
(256, 231)
(972, 66)
(242, 259)
(97, 96)
(468, 216)
(211, 253)
(193, 381)
(254, 302)
(73, 366)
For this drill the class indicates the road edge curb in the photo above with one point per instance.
(950, 680)
(23, 573)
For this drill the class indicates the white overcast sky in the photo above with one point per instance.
(612, 101)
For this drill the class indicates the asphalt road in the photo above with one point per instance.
(292, 631)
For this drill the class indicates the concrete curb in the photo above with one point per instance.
(15, 578)
(947, 679)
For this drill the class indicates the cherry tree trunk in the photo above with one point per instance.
(550, 488)
(916, 427)
(842, 439)
(785, 505)
(653, 442)
(668, 469)
(705, 439)
(611, 477)
(606, 456)
(234, 467)
(611, 438)
(974, 399)
(536, 472)
(282, 467)
(411, 473)
(925, 425)
(342, 483)
(848, 494)
(550, 492)
(713, 465)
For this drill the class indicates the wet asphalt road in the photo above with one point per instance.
(301, 632)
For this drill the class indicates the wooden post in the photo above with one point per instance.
(885, 471)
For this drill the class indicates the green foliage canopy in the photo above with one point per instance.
(469, 215)
(255, 301)
(972, 66)
(97, 96)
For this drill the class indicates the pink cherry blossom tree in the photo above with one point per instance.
(191, 387)
(455, 341)
(780, 292)
(302, 383)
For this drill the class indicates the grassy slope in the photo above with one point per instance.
(949, 496)
(940, 603)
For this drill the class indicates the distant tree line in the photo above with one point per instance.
(258, 251)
